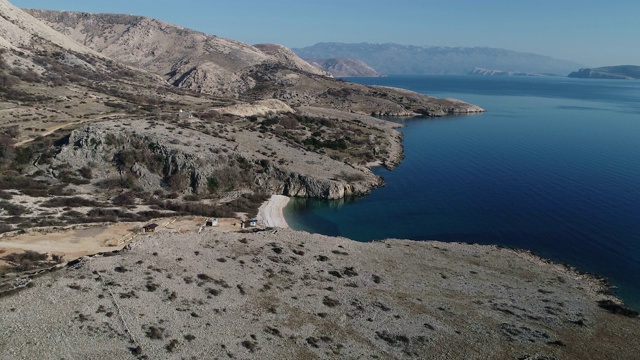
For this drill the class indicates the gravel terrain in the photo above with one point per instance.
(282, 294)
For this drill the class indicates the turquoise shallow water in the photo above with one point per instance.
(553, 167)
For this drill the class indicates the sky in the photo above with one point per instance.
(590, 32)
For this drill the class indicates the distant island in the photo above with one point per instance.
(620, 72)
(486, 72)
(398, 59)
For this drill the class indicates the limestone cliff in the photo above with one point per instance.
(158, 157)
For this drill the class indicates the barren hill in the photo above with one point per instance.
(227, 68)
(286, 56)
(281, 294)
(17, 30)
(186, 58)
(343, 67)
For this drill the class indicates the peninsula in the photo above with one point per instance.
(621, 72)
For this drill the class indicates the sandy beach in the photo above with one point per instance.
(271, 212)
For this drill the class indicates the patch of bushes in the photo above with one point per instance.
(124, 198)
(30, 260)
(616, 308)
(86, 172)
(351, 177)
(339, 144)
(13, 209)
(5, 228)
(75, 201)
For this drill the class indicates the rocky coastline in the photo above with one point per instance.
(280, 293)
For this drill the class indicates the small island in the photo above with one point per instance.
(621, 72)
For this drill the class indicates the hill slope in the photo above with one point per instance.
(76, 124)
(281, 294)
(414, 60)
(184, 57)
(343, 67)
(221, 67)
(622, 72)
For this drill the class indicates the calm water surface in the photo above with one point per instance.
(553, 167)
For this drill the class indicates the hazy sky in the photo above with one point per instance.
(593, 33)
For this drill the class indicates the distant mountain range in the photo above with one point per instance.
(487, 72)
(399, 59)
(623, 72)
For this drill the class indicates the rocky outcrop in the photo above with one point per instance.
(291, 183)
(160, 159)
(343, 67)
(622, 72)
(286, 56)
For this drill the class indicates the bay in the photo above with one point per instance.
(553, 166)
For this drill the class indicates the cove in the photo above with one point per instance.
(552, 167)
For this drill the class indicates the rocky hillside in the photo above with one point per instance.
(160, 48)
(18, 27)
(621, 72)
(226, 68)
(396, 59)
(111, 141)
(287, 57)
(344, 67)
(282, 294)
(186, 58)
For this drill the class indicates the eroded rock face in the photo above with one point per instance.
(186, 162)
(300, 185)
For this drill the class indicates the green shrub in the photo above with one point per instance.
(125, 198)
(75, 201)
(212, 184)
(13, 209)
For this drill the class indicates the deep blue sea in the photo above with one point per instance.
(553, 166)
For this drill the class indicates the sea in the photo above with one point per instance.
(553, 166)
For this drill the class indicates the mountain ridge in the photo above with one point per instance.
(398, 59)
(216, 66)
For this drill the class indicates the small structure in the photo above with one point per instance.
(212, 222)
(248, 223)
(184, 114)
(150, 228)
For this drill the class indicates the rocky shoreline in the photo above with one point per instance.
(286, 294)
